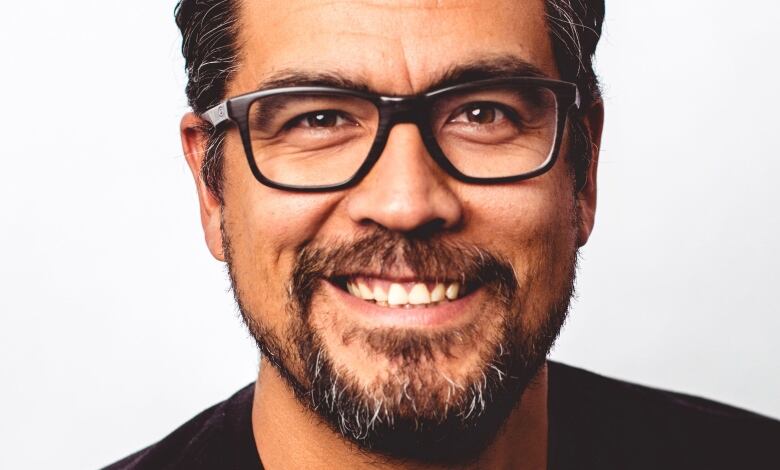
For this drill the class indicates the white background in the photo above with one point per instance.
(117, 326)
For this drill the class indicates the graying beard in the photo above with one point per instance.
(358, 418)
(459, 430)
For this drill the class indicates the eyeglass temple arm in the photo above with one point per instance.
(217, 115)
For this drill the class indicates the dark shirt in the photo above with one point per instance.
(594, 423)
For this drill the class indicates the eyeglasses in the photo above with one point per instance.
(325, 138)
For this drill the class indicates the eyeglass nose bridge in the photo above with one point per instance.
(404, 110)
(401, 109)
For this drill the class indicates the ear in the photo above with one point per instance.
(194, 140)
(586, 198)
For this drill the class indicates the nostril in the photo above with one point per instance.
(428, 229)
(422, 231)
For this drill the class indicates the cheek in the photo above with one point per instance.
(266, 228)
(532, 224)
(516, 216)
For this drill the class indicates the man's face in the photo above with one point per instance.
(509, 249)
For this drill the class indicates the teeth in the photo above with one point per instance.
(352, 289)
(379, 294)
(419, 295)
(365, 292)
(452, 291)
(397, 295)
(437, 294)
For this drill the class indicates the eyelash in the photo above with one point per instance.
(507, 112)
(295, 122)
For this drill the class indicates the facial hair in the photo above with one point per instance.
(410, 416)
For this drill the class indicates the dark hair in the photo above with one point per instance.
(209, 31)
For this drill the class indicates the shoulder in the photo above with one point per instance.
(623, 423)
(218, 437)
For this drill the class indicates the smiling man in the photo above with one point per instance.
(399, 190)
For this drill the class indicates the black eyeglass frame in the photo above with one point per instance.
(394, 110)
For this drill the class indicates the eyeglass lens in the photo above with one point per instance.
(323, 139)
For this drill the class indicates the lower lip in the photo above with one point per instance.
(445, 313)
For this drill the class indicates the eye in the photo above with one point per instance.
(480, 113)
(322, 119)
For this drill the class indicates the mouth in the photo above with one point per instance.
(407, 302)
(403, 293)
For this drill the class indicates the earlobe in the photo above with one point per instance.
(194, 140)
(586, 198)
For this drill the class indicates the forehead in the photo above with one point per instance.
(394, 47)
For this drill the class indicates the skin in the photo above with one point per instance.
(396, 47)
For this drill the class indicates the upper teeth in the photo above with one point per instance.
(396, 294)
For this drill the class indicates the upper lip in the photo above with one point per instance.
(396, 277)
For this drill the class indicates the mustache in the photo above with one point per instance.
(385, 253)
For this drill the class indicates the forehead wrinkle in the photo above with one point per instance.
(407, 76)
(480, 68)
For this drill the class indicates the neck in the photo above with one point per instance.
(289, 436)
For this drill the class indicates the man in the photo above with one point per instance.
(399, 190)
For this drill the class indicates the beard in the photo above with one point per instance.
(415, 411)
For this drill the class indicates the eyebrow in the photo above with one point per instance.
(500, 66)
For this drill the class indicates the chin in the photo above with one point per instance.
(410, 370)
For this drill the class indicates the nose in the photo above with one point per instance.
(405, 191)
